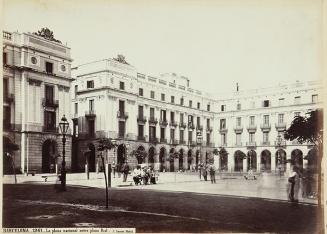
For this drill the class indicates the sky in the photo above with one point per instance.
(216, 44)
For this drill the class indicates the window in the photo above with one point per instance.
(252, 120)
(198, 121)
(198, 105)
(49, 94)
(190, 103)
(172, 99)
(91, 105)
(50, 120)
(266, 119)
(208, 107)
(190, 138)
(5, 88)
(121, 128)
(297, 100)
(223, 107)
(90, 84)
(208, 138)
(172, 134)
(172, 116)
(163, 115)
(251, 137)
(238, 139)
(121, 85)
(296, 114)
(49, 67)
(223, 139)
(152, 133)
(181, 136)
(6, 117)
(266, 103)
(162, 133)
(208, 123)
(121, 107)
(141, 130)
(190, 120)
(265, 137)
(151, 113)
(281, 101)
(238, 121)
(223, 124)
(76, 90)
(182, 101)
(238, 106)
(181, 118)
(314, 98)
(152, 94)
(141, 114)
(280, 118)
(140, 92)
(162, 97)
(4, 58)
(76, 108)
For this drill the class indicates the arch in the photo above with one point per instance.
(197, 159)
(152, 152)
(91, 157)
(189, 159)
(297, 158)
(223, 161)
(162, 158)
(238, 163)
(280, 160)
(49, 156)
(121, 155)
(180, 159)
(252, 160)
(266, 160)
(171, 160)
(140, 160)
(312, 160)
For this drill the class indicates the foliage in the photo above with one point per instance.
(139, 154)
(105, 144)
(307, 128)
(173, 155)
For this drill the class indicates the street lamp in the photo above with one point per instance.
(63, 125)
(279, 159)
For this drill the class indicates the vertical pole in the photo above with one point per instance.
(109, 175)
(63, 169)
(105, 179)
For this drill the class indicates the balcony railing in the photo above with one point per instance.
(90, 113)
(10, 97)
(163, 123)
(122, 114)
(182, 125)
(163, 140)
(153, 140)
(280, 126)
(153, 120)
(141, 138)
(209, 129)
(265, 126)
(251, 144)
(174, 142)
(267, 143)
(141, 119)
(281, 143)
(199, 127)
(238, 129)
(251, 128)
(50, 103)
(173, 124)
(49, 129)
(223, 129)
(191, 126)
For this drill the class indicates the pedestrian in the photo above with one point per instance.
(293, 185)
(212, 171)
(200, 169)
(113, 166)
(125, 171)
(205, 172)
(118, 169)
(137, 175)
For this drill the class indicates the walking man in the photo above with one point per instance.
(125, 171)
(212, 171)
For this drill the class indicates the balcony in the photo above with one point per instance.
(280, 144)
(90, 114)
(280, 126)
(252, 128)
(223, 129)
(174, 142)
(141, 138)
(53, 129)
(182, 125)
(238, 129)
(141, 119)
(9, 98)
(163, 140)
(182, 142)
(238, 144)
(153, 121)
(173, 124)
(251, 144)
(265, 143)
(199, 127)
(122, 115)
(209, 129)
(191, 126)
(50, 103)
(153, 140)
(265, 127)
(163, 123)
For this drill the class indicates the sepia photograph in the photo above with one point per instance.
(182, 116)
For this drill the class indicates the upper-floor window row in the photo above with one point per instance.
(121, 85)
(152, 94)
(140, 92)
(90, 84)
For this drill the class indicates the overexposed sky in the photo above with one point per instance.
(256, 43)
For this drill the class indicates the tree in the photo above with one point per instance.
(172, 156)
(139, 154)
(309, 129)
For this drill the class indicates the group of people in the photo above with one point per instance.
(205, 169)
(120, 169)
(144, 175)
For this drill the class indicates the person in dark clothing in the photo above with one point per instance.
(125, 171)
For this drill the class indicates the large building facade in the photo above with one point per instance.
(36, 94)
(178, 127)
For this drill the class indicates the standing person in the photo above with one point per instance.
(293, 185)
(205, 172)
(212, 171)
(113, 166)
(200, 169)
(137, 175)
(125, 171)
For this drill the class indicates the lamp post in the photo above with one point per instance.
(279, 142)
(63, 125)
